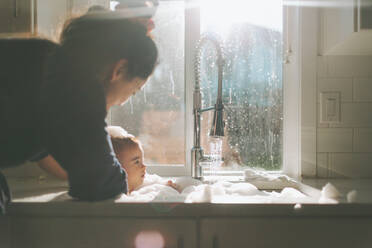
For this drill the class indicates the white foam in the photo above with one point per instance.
(325, 200)
(184, 182)
(261, 175)
(291, 193)
(242, 189)
(153, 179)
(329, 194)
(330, 191)
(156, 189)
(202, 193)
(352, 196)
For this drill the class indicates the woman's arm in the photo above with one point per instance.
(50, 165)
(74, 130)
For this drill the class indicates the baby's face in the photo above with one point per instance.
(131, 158)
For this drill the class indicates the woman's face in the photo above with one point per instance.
(128, 88)
(120, 91)
(131, 158)
(120, 88)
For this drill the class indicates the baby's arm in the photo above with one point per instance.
(170, 183)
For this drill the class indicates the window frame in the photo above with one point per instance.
(299, 91)
(192, 34)
(300, 29)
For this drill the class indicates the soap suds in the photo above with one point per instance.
(189, 190)
(352, 196)
(193, 191)
(329, 194)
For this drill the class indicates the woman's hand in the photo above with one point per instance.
(50, 165)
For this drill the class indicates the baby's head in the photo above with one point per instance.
(129, 152)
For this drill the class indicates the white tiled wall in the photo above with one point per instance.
(344, 149)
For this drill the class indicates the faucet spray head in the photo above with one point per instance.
(218, 125)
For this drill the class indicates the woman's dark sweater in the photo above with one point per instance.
(50, 113)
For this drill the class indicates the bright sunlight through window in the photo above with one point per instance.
(222, 13)
(251, 32)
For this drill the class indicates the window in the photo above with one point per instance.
(252, 88)
(156, 115)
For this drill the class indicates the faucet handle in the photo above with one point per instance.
(218, 124)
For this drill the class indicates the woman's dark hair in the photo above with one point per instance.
(91, 44)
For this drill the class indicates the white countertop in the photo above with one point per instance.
(27, 187)
(33, 187)
(363, 187)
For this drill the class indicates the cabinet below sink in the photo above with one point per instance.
(346, 28)
(186, 225)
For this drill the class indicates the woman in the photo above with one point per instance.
(55, 97)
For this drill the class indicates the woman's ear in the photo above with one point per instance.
(119, 71)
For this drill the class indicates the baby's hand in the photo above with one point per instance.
(170, 183)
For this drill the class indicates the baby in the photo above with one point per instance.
(129, 152)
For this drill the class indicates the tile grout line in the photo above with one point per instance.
(317, 122)
(328, 165)
(316, 118)
(352, 99)
(352, 89)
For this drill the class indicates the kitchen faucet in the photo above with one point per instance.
(217, 129)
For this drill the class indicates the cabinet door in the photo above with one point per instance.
(50, 17)
(6, 16)
(336, 25)
(23, 13)
(102, 232)
(15, 16)
(4, 232)
(79, 7)
(365, 14)
(287, 232)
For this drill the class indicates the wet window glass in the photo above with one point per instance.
(251, 32)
